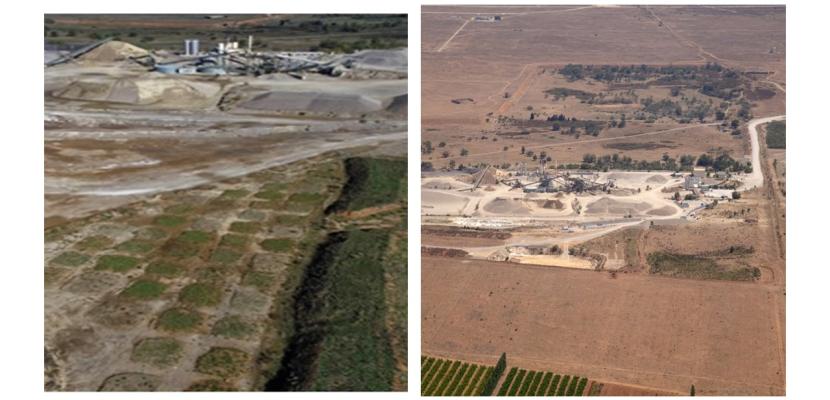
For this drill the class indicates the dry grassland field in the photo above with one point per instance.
(212, 213)
(603, 196)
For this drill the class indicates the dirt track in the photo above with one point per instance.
(756, 178)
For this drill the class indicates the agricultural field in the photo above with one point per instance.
(600, 209)
(447, 377)
(219, 287)
(443, 377)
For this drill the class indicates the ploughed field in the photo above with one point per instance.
(655, 332)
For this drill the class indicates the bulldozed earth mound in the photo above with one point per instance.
(113, 51)
(398, 106)
(607, 205)
(168, 91)
(502, 205)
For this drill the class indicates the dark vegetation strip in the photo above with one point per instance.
(563, 385)
(456, 379)
(474, 383)
(553, 385)
(372, 182)
(531, 375)
(446, 380)
(340, 325)
(514, 388)
(505, 387)
(580, 388)
(493, 379)
(438, 377)
(465, 380)
(543, 387)
(428, 374)
(572, 387)
(534, 385)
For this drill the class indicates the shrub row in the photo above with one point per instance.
(553, 385)
(514, 388)
(493, 379)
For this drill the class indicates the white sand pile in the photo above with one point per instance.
(113, 51)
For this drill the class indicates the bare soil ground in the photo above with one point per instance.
(485, 60)
(641, 330)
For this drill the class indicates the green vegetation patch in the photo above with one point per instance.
(136, 246)
(224, 256)
(201, 295)
(94, 243)
(70, 259)
(195, 237)
(116, 263)
(234, 194)
(179, 320)
(170, 221)
(263, 281)
(372, 182)
(245, 227)
(290, 220)
(130, 382)
(696, 267)
(272, 191)
(144, 289)
(777, 135)
(354, 287)
(277, 245)
(179, 209)
(234, 327)
(165, 269)
(178, 249)
(159, 351)
(211, 385)
(223, 362)
(238, 242)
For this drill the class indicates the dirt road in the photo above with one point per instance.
(756, 178)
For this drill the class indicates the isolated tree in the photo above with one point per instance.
(442, 144)
(445, 154)
(426, 147)
(464, 152)
(736, 195)
(692, 391)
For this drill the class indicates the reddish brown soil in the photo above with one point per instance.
(662, 333)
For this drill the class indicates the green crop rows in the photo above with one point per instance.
(452, 378)
(441, 377)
